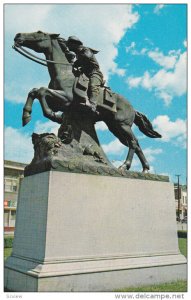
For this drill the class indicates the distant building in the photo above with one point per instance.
(13, 172)
(183, 200)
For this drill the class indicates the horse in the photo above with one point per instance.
(59, 98)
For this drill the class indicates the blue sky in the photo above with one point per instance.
(143, 55)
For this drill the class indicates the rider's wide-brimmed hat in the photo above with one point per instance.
(74, 40)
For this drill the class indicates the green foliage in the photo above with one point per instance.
(8, 241)
(7, 252)
(182, 234)
(183, 246)
(176, 286)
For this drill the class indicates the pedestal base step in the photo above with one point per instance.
(92, 275)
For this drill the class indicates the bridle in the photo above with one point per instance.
(33, 57)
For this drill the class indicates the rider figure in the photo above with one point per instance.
(86, 63)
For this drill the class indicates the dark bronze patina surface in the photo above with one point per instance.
(65, 101)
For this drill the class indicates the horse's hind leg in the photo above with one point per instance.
(40, 94)
(134, 147)
(47, 111)
(124, 133)
(132, 143)
(142, 158)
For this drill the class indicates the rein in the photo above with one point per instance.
(35, 58)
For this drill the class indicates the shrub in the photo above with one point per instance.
(8, 241)
(182, 234)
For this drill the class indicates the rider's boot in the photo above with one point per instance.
(94, 91)
(91, 105)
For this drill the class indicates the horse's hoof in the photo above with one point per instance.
(127, 165)
(26, 120)
(145, 170)
(122, 167)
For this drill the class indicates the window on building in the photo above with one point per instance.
(8, 185)
(11, 185)
(6, 218)
(13, 214)
(12, 218)
(14, 188)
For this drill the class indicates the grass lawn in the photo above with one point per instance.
(183, 246)
(178, 286)
(7, 252)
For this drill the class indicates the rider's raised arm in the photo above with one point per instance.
(69, 55)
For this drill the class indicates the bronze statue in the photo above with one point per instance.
(87, 64)
(65, 99)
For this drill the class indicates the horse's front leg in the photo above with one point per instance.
(27, 109)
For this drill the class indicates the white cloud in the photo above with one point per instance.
(149, 41)
(135, 166)
(17, 92)
(18, 146)
(133, 51)
(102, 32)
(118, 71)
(151, 153)
(158, 8)
(44, 127)
(166, 61)
(134, 82)
(25, 16)
(171, 131)
(101, 126)
(117, 163)
(166, 84)
(185, 43)
(129, 48)
(146, 82)
(143, 51)
(114, 147)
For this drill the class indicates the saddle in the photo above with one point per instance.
(105, 99)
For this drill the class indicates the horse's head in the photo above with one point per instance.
(38, 41)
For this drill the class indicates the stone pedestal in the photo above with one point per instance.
(82, 232)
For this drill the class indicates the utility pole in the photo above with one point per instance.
(178, 176)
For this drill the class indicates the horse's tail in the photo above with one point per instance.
(145, 125)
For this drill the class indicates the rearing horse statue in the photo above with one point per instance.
(59, 97)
